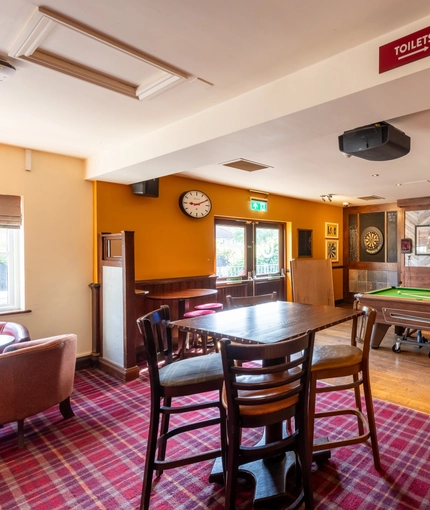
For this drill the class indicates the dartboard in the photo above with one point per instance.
(372, 240)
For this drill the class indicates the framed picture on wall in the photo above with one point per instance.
(305, 243)
(332, 230)
(332, 250)
(422, 239)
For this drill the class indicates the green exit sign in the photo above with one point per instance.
(258, 205)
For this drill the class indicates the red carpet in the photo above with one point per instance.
(95, 460)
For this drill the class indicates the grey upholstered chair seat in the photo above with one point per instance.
(192, 371)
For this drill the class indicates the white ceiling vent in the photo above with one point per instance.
(370, 197)
(64, 45)
(246, 165)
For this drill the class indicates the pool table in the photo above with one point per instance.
(402, 307)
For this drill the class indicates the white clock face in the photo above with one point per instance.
(195, 204)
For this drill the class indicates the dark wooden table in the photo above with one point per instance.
(182, 297)
(266, 323)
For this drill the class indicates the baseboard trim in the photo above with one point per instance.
(84, 362)
(125, 374)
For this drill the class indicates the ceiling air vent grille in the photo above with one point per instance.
(370, 197)
(246, 165)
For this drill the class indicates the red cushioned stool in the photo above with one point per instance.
(194, 337)
(217, 307)
(198, 313)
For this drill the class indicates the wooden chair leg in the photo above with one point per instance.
(182, 340)
(371, 421)
(304, 453)
(151, 449)
(232, 469)
(162, 443)
(311, 410)
(223, 434)
(358, 404)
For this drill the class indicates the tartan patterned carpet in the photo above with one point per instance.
(95, 460)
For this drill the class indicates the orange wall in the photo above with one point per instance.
(169, 244)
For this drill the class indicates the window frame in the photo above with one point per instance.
(14, 287)
(250, 227)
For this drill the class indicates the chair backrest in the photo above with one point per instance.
(157, 340)
(363, 332)
(239, 302)
(282, 374)
(18, 331)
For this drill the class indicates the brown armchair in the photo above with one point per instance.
(34, 376)
(18, 331)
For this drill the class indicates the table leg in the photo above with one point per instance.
(378, 333)
(269, 477)
(182, 335)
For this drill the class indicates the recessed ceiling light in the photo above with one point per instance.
(399, 184)
(375, 175)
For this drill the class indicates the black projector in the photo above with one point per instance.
(376, 142)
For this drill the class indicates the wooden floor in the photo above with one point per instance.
(401, 378)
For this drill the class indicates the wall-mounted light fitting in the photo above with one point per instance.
(259, 192)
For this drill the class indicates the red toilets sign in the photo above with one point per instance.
(405, 50)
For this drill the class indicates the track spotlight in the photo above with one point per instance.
(328, 197)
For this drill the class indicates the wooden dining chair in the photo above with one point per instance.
(240, 301)
(265, 394)
(171, 379)
(349, 365)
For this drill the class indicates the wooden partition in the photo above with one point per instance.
(312, 281)
(117, 323)
(415, 276)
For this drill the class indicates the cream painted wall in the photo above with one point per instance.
(57, 206)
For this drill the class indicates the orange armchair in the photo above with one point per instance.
(34, 376)
(18, 331)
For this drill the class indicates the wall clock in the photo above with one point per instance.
(372, 240)
(195, 204)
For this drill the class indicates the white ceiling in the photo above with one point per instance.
(273, 81)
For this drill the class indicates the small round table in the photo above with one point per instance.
(182, 297)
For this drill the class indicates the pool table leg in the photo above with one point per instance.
(378, 333)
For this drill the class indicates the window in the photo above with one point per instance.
(248, 248)
(10, 253)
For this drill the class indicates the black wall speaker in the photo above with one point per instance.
(146, 188)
